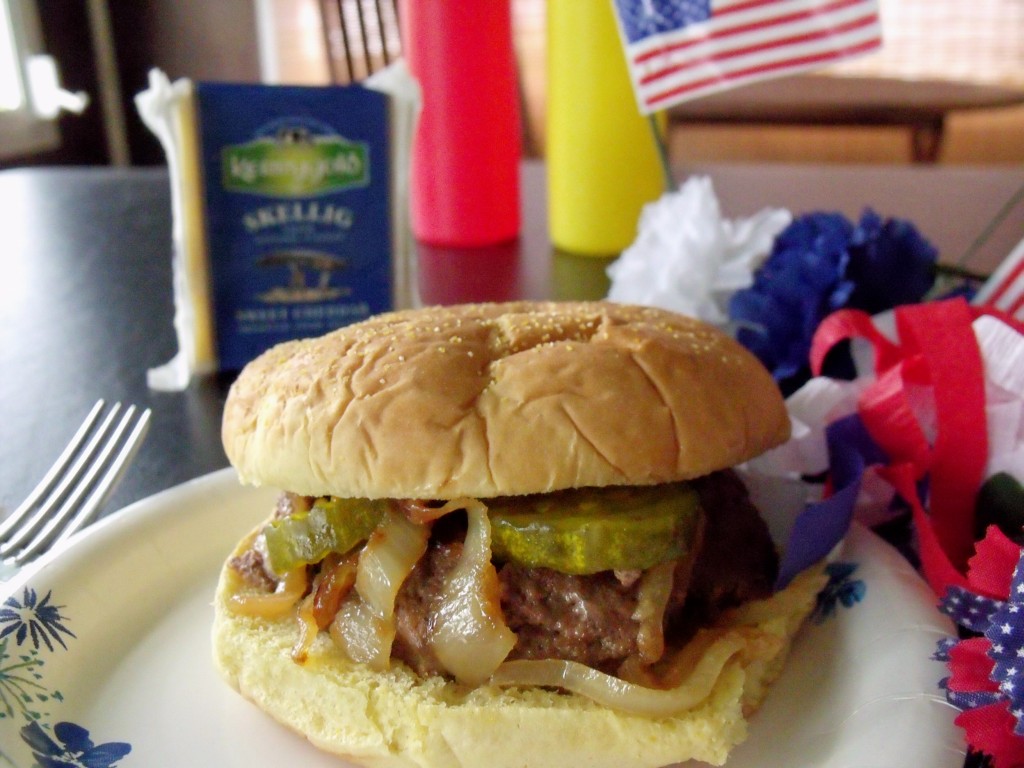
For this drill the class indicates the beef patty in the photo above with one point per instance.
(591, 619)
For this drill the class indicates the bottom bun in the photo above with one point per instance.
(396, 718)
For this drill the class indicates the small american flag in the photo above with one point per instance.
(1005, 289)
(683, 49)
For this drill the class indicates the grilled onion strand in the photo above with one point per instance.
(621, 695)
(470, 636)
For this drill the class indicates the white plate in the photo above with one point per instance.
(130, 599)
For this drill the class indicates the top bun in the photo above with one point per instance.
(500, 399)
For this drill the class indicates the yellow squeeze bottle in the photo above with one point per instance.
(603, 161)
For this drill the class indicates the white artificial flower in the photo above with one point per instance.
(687, 258)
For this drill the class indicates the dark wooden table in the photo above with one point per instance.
(86, 307)
(921, 106)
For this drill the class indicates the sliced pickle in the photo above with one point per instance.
(599, 529)
(331, 525)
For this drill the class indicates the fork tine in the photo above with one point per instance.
(65, 498)
(95, 459)
(69, 479)
(113, 474)
(56, 473)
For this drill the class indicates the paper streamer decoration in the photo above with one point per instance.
(926, 410)
(823, 525)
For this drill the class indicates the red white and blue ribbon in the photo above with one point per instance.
(986, 680)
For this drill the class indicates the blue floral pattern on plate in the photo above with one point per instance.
(28, 627)
(75, 748)
(842, 589)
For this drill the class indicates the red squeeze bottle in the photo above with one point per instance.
(464, 185)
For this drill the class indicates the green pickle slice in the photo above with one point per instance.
(590, 530)
(331, 525)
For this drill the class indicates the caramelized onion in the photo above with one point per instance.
(362, 635)
(652, 598)
(335, 582)
(621, 695)
(308, 630)
(318, 608)
(364, 625)
(470, 636)
(273, 605)
(391, 552)
(420, 511)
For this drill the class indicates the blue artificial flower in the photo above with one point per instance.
(75, 748)
(800, 282)
(890, 264)
(820, 263)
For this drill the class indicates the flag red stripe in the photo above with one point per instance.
(832, 7)
(761, 69)
(780, 42)
(1004, 286)
(1014, 307)
(740, 7)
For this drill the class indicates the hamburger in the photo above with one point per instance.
(507, 535)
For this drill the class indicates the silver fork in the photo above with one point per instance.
(76, 486)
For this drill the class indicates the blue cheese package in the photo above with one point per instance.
(297, 185)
